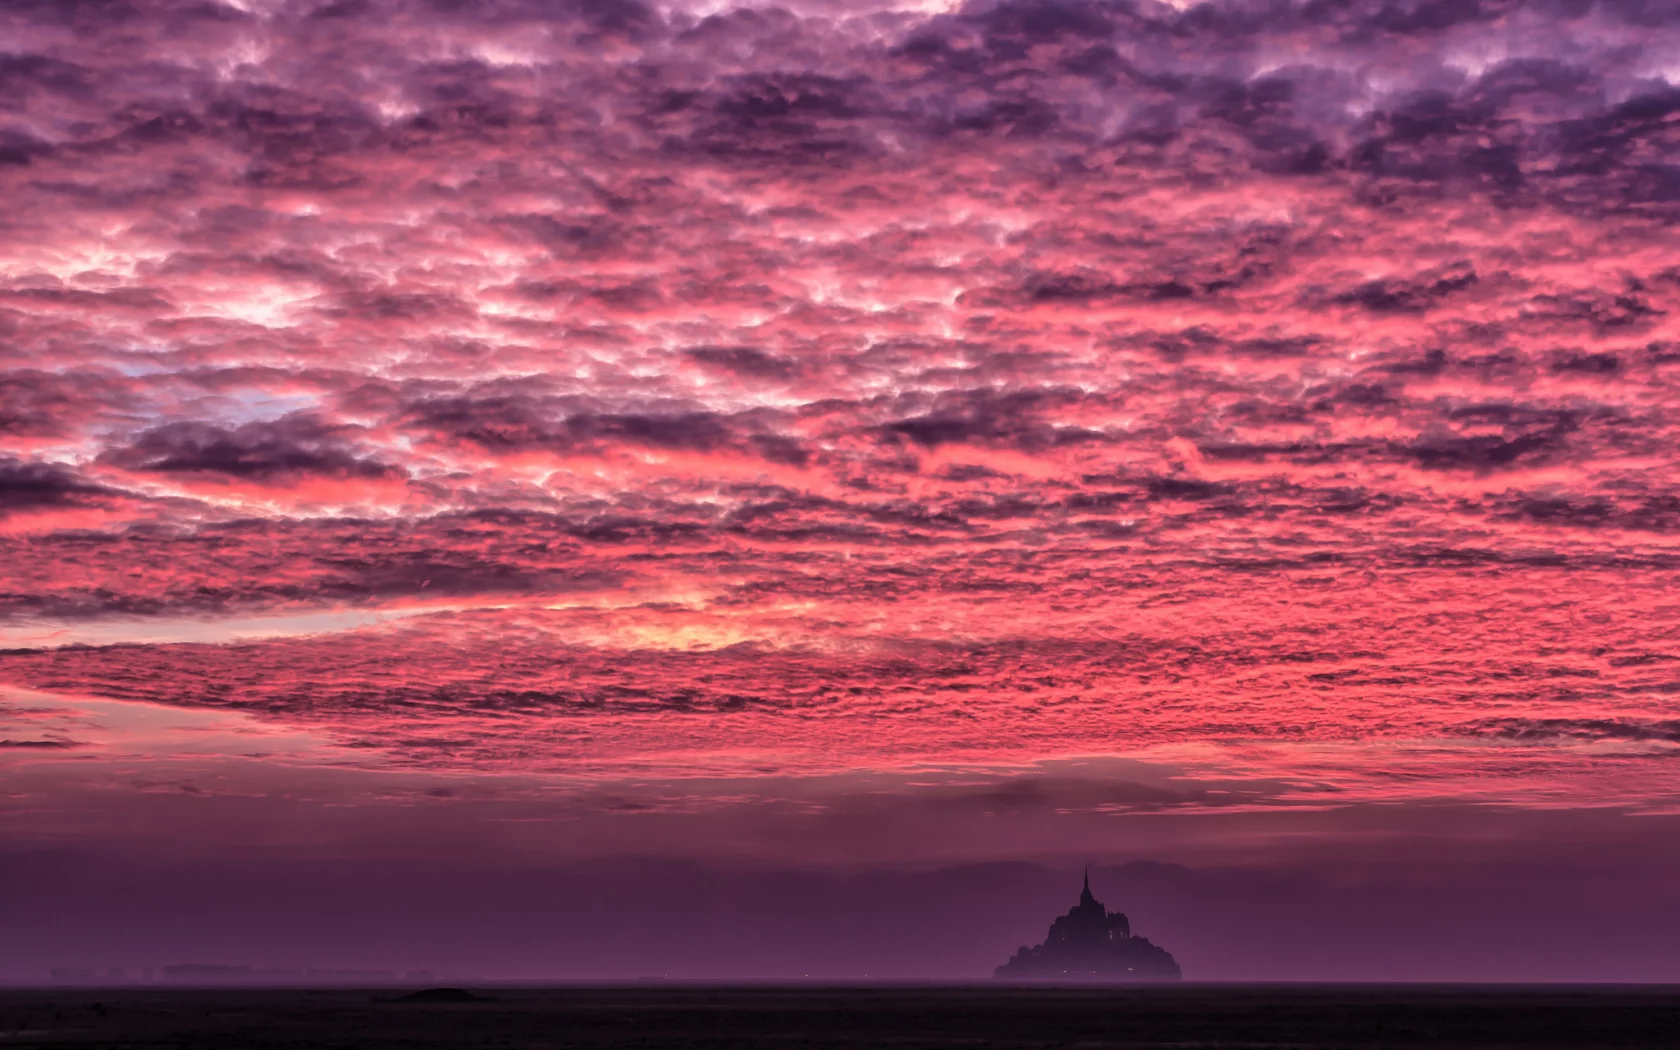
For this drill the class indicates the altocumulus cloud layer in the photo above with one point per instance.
(604, 387)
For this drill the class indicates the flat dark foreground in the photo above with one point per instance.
(904, 1018)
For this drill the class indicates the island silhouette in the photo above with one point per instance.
(1091, 943)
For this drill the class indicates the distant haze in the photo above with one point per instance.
(1411, 912)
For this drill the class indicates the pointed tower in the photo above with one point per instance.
(1090, 943)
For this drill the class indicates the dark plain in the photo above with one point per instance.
(904, 1017)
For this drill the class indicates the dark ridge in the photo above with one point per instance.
(442, 995)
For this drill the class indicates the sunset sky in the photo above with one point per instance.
(550, 451)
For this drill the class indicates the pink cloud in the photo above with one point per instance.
(827, 391)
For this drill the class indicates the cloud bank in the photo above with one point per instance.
(826, 387)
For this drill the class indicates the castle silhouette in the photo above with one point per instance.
(1090, 943)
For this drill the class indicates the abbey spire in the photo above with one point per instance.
(1091, 943)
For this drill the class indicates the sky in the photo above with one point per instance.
(567, 488)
